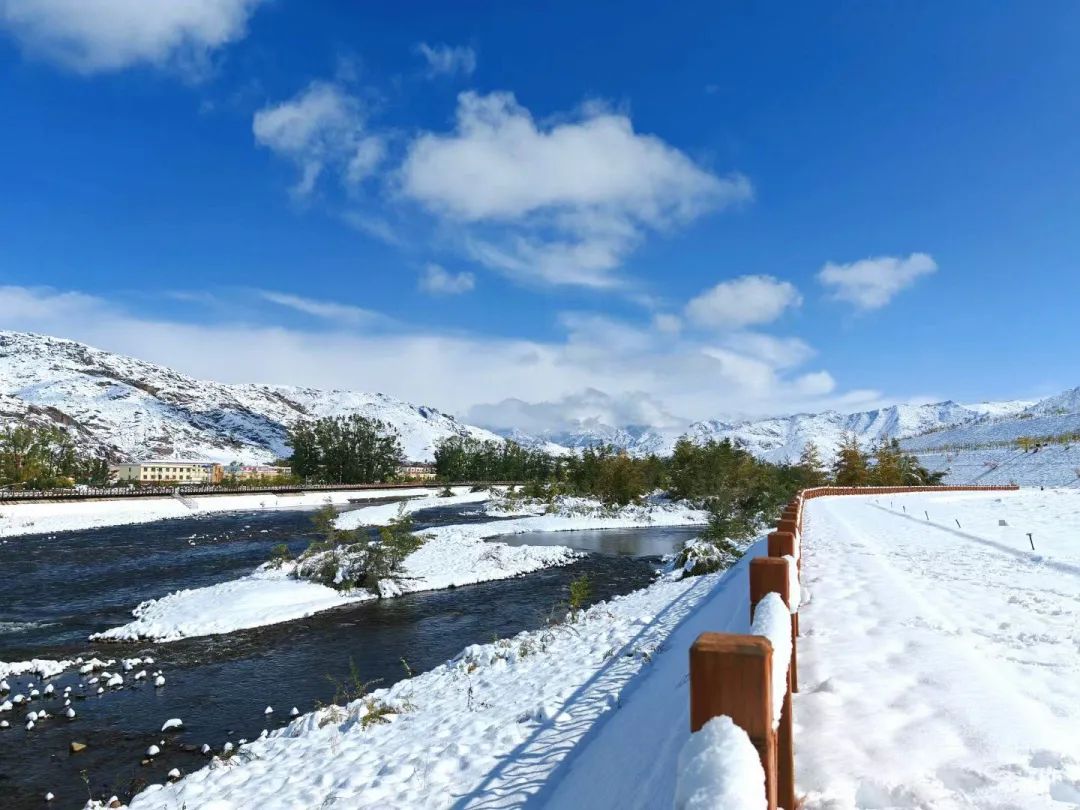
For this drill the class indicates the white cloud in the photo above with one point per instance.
(779, 352)
(667, 323)
(437, 281)
(92, 36)
(587, 409)
(443, 59)
(327, 310)
(322, 127)
(685, 379)
(742, 301)
(562, 203)
(871, 283)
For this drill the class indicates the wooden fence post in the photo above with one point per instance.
(732, 674)
(770, 575)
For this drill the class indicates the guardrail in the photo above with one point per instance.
(99, 493)
(749, 678)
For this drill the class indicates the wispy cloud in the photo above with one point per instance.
(438, 281)
(872, 283)
(342, 314)
(322, 127)
(446, 60)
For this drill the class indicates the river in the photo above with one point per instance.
(56, 590)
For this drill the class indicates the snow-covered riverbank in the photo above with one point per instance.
(452, 556)
(531, 717)
(49, 518)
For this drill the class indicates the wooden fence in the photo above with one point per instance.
(732, 674)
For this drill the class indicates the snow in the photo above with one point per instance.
(252, 601)
(48, 518)
(452, 556)
(720, 768)
(535, 717)
(382, 514)
(772, 619)
(938, 665)
(46, 668)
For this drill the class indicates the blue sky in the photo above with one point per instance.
(531, 214)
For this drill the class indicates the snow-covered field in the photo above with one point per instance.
(452, 556)
(940, 663)
(49, 518)
(1052, 466)
(549, 717)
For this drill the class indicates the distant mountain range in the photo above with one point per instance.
(126, 408)
(782, 439)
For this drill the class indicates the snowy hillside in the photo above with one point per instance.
(782, 438)
(128, 408)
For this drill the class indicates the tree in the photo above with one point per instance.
(46, 457)
(811, 467)
(851, 467)
(345, 450)
(895, 468)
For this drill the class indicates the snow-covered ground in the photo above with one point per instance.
(1055, 465)
(940, 663)
(453, 555)
(548, 716)
(49, 518)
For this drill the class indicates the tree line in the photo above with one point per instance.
(46, 457)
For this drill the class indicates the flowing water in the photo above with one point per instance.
(56, 590)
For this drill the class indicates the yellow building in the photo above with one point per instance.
(416, 471)
(168, 471)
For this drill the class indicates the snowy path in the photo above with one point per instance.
(940, 667)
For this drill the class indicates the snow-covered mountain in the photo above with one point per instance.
(129, 409)
(782, 438)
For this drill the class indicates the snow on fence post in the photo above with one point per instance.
(771, 575)
(732, 675)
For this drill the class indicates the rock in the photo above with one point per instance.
(29, 725)
(70, 714)
(115, 802)
(159, 680)
(153, 751)
(76, 747)
(294, 712)
(115, 680)
(269, 710)
(4, 724)
(49, 689)
(174, 773)
(49, 797)
(205, 749)
(173, 724)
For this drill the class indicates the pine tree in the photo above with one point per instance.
(850, 468)
(811, 466)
